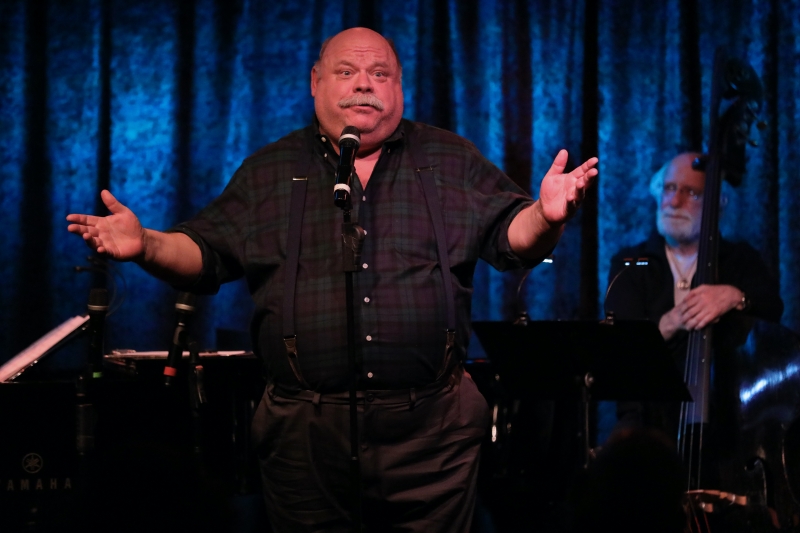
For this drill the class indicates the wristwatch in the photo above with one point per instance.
(744, 304)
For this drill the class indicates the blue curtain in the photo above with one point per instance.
(160, 101)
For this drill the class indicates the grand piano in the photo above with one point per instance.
(125, 452)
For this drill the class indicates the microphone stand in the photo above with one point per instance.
(197, 398)
(93, 370)
(352, 243)
(86, 389)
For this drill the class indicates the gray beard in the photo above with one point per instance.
(681, 232)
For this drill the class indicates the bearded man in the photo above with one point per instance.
(421, 418)
(661, 291)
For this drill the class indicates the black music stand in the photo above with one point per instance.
(586, 360)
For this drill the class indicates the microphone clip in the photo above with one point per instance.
(352, 244)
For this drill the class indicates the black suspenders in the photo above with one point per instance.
(425, 172)
(300, 177)
(296, 210)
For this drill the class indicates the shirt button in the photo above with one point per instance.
(369, 338)
(364, 198)
(325, 155)
(365, 266)
(366, 299)
(323, 139)
(369, 375)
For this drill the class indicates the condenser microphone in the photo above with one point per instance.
(184, 309)
(98, 308)
(349, 141)
(85, 415)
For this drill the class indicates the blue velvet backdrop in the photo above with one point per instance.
(160, 100)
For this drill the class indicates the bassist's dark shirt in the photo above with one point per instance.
(647, 292)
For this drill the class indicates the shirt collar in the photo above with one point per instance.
(397, 137)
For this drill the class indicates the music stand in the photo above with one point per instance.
(549, 360)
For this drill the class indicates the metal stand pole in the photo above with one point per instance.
(352, 242)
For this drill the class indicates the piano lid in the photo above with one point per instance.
(51, 340)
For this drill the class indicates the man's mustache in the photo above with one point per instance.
(361, 99)
(679, 213)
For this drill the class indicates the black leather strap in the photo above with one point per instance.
(296, 210)
(425, 171)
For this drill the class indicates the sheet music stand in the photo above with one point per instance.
(585, 360)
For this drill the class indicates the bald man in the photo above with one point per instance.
(416, 191)
(661, 292)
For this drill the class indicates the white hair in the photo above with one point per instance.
(657, 182)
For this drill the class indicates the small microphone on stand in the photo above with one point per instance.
(184, 309)
(522, 318)
(627, 262)
(349, 141)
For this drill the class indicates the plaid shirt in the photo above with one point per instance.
(399, 308)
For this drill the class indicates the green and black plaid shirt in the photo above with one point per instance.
(400, 312)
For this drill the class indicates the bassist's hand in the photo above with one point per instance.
(703, 305)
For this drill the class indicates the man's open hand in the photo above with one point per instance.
(118, 235)
(561, 194)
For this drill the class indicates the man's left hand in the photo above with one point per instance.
(537, 228)
(707, 303)
(561, 194)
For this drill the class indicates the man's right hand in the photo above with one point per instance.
(173, 257)
(119, 235)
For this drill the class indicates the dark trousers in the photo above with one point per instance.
(419, 457)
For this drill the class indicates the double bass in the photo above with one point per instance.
(741, 485)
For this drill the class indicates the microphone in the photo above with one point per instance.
(349, 141)
(628, 262)
(98, 307)
(184, 308)
(85, 415)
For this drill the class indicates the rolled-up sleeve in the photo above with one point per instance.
(218, 231)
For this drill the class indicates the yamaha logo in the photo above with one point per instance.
(32, 463)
